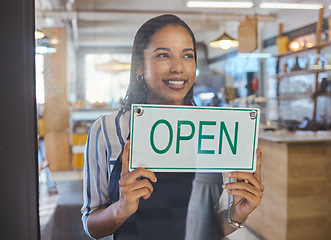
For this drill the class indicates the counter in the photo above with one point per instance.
(283, 136)
(296, 173)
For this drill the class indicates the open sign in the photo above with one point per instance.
(193, 139)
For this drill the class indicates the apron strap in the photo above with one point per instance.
(117, 170)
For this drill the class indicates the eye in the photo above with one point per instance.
(162, 55)
(189, 55)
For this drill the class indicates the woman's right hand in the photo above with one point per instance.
(131, 185)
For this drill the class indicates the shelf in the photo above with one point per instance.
(317, 50)
(301, 72)
(299, 96)
(295, 96)
(327, 94)
(324, 44)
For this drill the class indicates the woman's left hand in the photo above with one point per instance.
(247, 191)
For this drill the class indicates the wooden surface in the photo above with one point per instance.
(296, 202)
(309, 192)
(306, 49)
(57, 150)
(56, 113)
(269, 219)
(283, 136)
(247, 35)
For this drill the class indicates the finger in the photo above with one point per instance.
(251, 199)
(257, 173)
(125, 159)
(136, 195)
(255, 190)
(245, 177)
(136, 175)
(139, 184)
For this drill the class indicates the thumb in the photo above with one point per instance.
(125, 159)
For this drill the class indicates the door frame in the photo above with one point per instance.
(18, 118)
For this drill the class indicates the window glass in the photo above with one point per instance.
(40, 92)
(106, 85)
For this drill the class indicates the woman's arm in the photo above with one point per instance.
(247, 195)
(105, 221)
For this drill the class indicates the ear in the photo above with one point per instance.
(140, 69)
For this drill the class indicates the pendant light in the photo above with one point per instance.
(39, 34)
(43, 46)
(225, 42)
(113, 67)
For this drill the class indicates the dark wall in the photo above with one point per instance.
(18, 169)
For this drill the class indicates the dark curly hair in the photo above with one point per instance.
(137, 91)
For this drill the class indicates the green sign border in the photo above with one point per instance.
(192, 107)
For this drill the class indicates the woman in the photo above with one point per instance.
(123, 203)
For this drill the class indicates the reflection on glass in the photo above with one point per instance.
(104, 85)
(40, 88)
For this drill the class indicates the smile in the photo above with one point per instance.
(176, 83)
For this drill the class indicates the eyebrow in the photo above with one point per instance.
(168, 49)
(188, 50)
(164, 49)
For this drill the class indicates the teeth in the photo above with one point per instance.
(177, 83)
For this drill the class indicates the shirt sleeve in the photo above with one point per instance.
(96, 168)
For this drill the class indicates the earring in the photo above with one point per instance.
(140, 78)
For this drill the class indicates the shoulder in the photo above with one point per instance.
(101, 128)
(111, 131)
(103, 122)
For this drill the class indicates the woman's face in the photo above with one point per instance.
(169, 65)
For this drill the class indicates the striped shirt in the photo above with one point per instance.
(106, 139)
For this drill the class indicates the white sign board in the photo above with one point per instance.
(193, 139)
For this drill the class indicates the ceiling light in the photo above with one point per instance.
(291, 6)
(225, 42)
(294, 46)
(43, 47)
(206, 95)
(209, 4)
(38, 34)
(54, 41)
(113, 67)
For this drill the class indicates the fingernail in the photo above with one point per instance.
(229, 174)
(224, 186)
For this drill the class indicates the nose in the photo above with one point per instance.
(176, 66)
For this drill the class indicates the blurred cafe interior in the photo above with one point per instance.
(271, 54)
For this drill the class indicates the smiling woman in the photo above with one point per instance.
(142, 204)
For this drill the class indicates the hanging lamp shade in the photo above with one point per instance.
(43, 46)
(113, 67)
(225, 42)
(39, 34)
